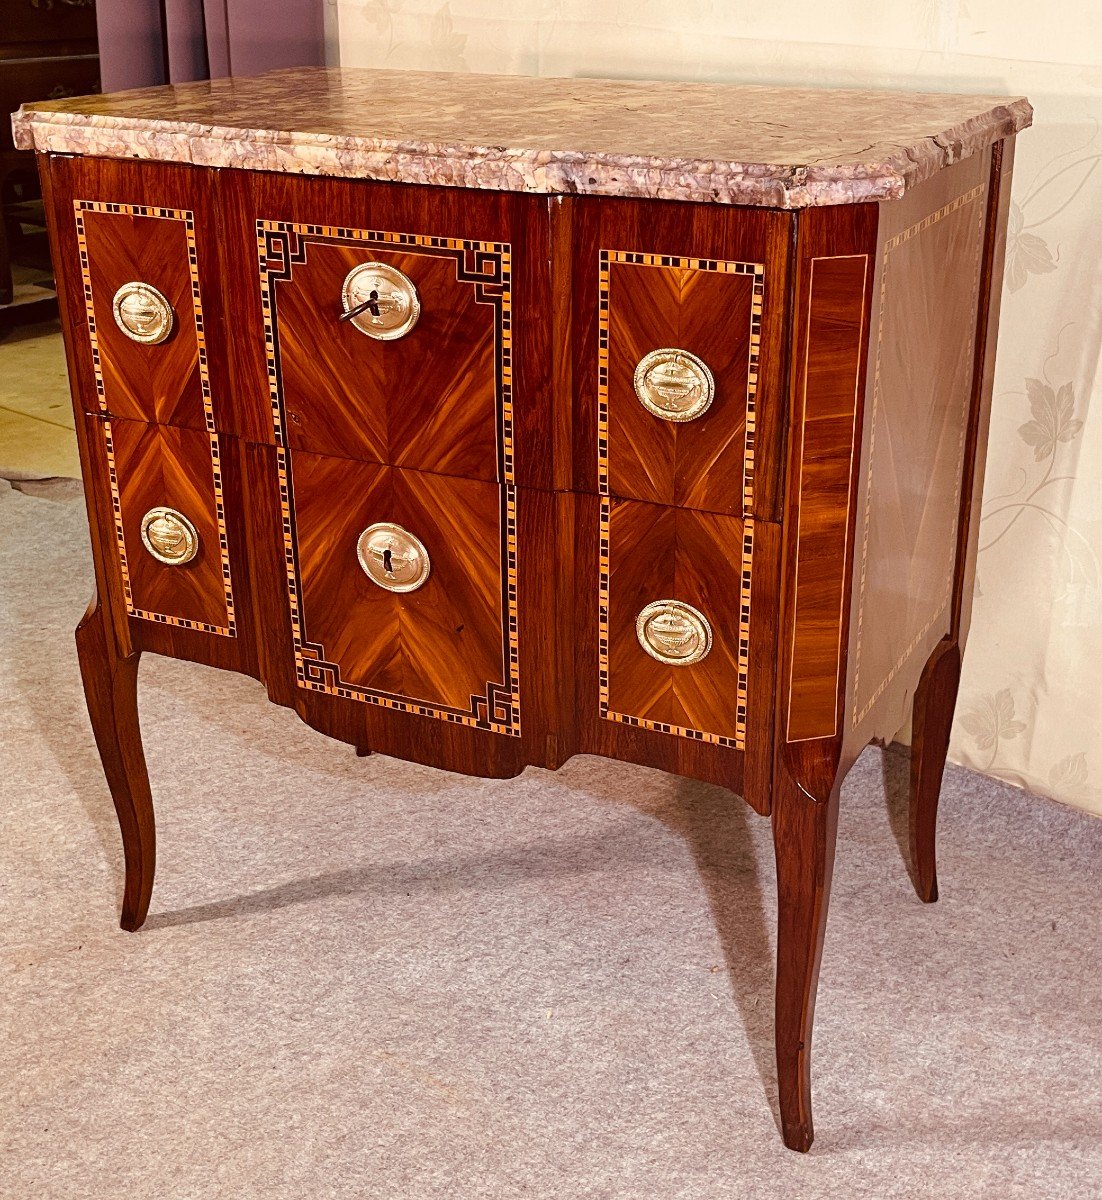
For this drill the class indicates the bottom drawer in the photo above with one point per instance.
(166, 501)
(673, 644)
(399, 584)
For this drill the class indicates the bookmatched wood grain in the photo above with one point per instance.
(426, 401)
(443, 379)
(472, 748)
(659, 553)
(699, 463)
(162, 465)
(125, 242)
(159, 382)
(713, 310)
(443, 645)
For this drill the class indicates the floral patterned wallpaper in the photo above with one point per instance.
(1030, 709)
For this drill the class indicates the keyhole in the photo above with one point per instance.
(388, 562)
(373, 308)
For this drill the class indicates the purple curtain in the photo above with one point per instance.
(143, 42)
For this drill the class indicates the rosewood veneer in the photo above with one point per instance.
(492, 422)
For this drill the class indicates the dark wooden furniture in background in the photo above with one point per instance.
(48, 49)
(694, 484)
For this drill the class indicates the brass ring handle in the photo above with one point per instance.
(673, 632)
(169, 536)
(674, 385)
(380, 301)
(392, 557)
(142, 313)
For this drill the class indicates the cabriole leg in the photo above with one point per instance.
(111, 692)
(804, 835)
(935, 700)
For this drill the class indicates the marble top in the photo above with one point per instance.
(771, 146)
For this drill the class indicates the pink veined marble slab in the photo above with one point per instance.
(777, 147)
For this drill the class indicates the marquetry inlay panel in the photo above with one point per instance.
(651, 302)
(921, 368)
(666, 298)
(426, 401)
(326, 658)
(650, 553)
(152, 466)
(715, 494)
(167, 382)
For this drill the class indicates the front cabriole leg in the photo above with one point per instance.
(804, 835)
(111, 692)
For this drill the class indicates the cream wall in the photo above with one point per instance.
(1031, 698)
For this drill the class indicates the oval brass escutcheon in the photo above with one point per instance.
(674, 384)
(169, 536)
(392, 557)
(142, 313)
(387, 302)
(673, 632)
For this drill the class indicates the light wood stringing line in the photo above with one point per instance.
(973, 194)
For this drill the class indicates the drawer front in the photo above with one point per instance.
(430, 630)
(678, 363)
(674, 640)
(678, 353)
(422, 378)
(144, 307)
(165, 495)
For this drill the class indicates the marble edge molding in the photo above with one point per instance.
(549, 172)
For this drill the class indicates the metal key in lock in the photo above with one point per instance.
(380, 301)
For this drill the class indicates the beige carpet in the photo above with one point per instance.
(362, 978)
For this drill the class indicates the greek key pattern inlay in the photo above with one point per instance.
(487, 267)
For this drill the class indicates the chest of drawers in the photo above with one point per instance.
(489, 422)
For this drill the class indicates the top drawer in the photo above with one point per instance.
(138, 273)
(140, 290)
(677, 368)
(412, 381)
(441, 369)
